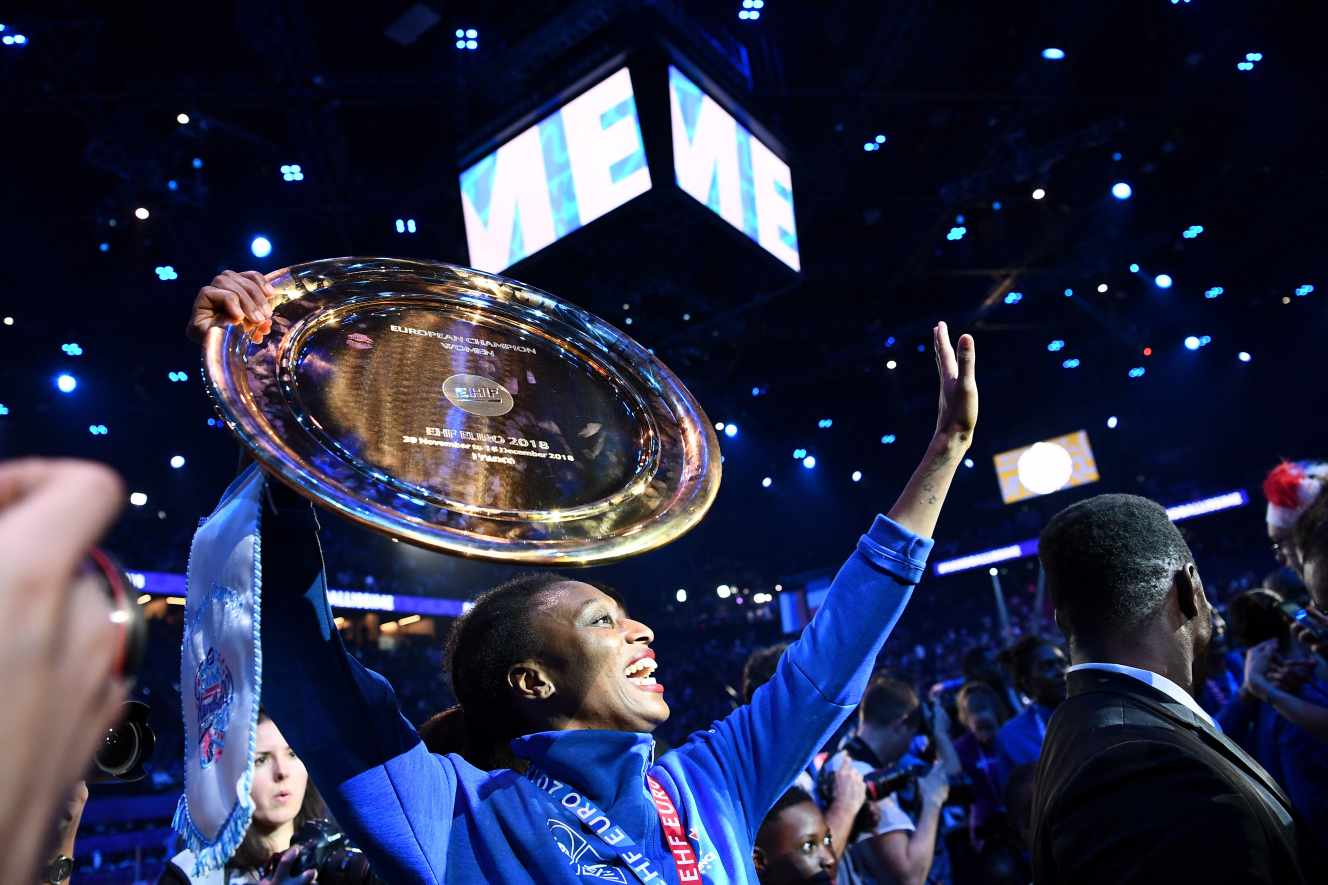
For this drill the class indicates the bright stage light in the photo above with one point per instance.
(1112, 422)
(723, 591)
(1243, 356)
(681, 595)
(731, 430)
(857, 476)
(66, 383)
(182, 119)
(1162, 281)
(261, 247)
(1122, 191)
(1134, 268)
(1039, 193)
(1045, 467)
(891, 364)
(141, 213)
(138, 499)
(177, 461)
(766, 483)
(1102, 287)
(809, 462)
(1191, 342)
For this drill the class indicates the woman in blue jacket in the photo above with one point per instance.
(557, 684)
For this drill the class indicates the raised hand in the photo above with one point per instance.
(232, 299)
(958, 411)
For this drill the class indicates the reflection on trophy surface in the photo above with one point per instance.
(467, 413)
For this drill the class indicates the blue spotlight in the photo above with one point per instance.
(1051, 53)
(996, 205)
(1055, 345)
(1072, 363)
(799, 453)
(1121, 190)
(1137, 372)
(198, 162)
(98, 429)
(809, 462)
(1213, 292)
(1162, 281)
(956, 233)
(826, 423)
(890, 342)
(1134, 268)
(888, 439)
(1192, 342)
(4, 409)
(166, 272)
(1069, 293)
(104, 247)
(730, 430)
(72, 349)
(1014, 297)
(66, 383)
(172, 185)
(1302, 291)
(261, 247)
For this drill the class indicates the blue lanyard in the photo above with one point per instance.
(595, 825)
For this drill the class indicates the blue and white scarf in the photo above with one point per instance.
(221, 668)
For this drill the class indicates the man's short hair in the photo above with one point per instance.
(888, 700)
(792, 796)
(760, 669)
(1109, 563)
(1018, 658)
(973, 689)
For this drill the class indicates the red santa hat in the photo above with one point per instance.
(1290, 489)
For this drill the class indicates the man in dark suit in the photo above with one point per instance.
(1135, 783)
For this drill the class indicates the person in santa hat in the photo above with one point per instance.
(1290, 488)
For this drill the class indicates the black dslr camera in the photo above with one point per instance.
(326, 849)
(126, 746)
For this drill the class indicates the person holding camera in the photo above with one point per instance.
(1280, 714)
(1311, 542)
(555, 777)
(284, 801)
(64, 661)
(897, 846)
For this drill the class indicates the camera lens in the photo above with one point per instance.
(119, 750)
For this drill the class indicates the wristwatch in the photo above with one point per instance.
(59, 869)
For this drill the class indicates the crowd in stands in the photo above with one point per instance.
(987, 693)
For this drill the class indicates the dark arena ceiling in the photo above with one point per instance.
(378, 107)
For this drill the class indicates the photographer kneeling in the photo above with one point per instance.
(899, 847)
(284, 801)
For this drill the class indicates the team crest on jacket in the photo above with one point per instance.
(213, 692)
(580, 855)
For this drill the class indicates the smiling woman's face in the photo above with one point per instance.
(598, 660)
